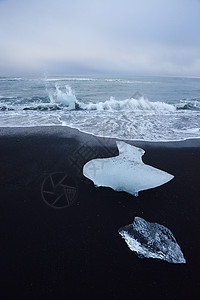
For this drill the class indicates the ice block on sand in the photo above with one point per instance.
(125, 172)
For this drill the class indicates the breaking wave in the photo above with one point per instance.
(70, 79)
(131, 118)
(117, 80)
(189, 104)
(129, 104)
(64, 98)
(136, 103)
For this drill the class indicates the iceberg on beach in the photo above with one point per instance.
(152, 240)
(125, 172)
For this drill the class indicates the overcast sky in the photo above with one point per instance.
(139, 37)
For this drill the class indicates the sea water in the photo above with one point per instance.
(135, 108)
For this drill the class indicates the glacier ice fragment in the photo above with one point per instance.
(152, 240)
(125, 172)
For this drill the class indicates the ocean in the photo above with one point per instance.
(129, 108)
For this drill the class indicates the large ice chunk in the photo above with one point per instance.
(152, 240)
(125, 172)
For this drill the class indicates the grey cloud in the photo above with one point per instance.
(138, 36)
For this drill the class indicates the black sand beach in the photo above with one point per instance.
(76, 252)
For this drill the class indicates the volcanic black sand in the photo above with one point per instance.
(75, 251)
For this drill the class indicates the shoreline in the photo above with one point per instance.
(49, 253)
(77, 133)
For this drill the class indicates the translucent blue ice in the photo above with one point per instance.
(152, 240)
(125, 172)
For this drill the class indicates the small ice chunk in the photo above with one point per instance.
(125, 172)
(152, 240)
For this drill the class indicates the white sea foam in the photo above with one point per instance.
(129, 81)
(130, 105)
(70, 79)
(99, 79)
(188, 105)
(188, 130)
(11, 79)
(125, 172)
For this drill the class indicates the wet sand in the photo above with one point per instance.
(75, 252)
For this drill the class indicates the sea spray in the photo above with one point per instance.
(68, 99)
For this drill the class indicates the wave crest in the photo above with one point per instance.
(135, 103)
(141, 104)
(63, 97)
